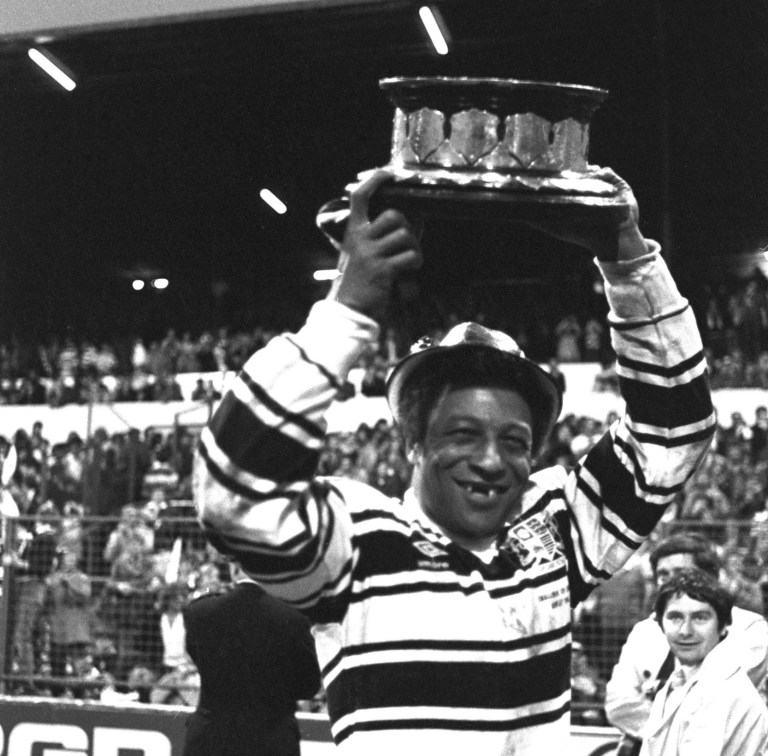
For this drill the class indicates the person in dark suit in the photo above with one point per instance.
(256, 658)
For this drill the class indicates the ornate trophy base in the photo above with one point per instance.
(525, 198)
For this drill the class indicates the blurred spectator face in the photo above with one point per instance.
(150, 512)
(734, 454)
(701, 479)
(68, 560)
(733, 564)
(130, 517)
(563, 435)
(691, 627)
(751, 568)
(346, 465)
(208, 578)
(670, 566)
(699, 508)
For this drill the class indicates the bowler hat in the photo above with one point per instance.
(533, 383)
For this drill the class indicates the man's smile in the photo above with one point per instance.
(480, 492)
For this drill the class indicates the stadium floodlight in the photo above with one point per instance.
(326, 274)
(274, 202)
(432, 26)
(53, 67)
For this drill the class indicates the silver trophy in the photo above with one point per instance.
(489, 149)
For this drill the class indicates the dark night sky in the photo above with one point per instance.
(158, 156)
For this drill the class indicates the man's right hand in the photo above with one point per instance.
(374, 253)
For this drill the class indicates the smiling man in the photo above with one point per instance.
(708, 707)
(442, 622)
(645, 661)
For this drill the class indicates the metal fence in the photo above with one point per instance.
(94, 631)
(90, 626)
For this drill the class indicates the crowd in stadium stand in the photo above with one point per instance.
(733, 319)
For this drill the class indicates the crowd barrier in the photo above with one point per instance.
(35, 726)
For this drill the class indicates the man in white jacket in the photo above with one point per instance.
(645, 661)
(708, 706)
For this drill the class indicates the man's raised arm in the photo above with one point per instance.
(255, 491)
(620, 489)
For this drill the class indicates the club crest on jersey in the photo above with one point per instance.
(429, 549)
(535, 541)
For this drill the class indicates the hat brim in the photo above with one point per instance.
(437, 356)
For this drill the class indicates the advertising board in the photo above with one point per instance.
(52, 727)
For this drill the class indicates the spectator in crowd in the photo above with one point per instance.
(588, 689)
(375, 378)
(745, 592)
(759, 440)
(167, 389)
(594, 349)
(129, 542)
(139, 356)
(708, 704)
(38, 554)
(161, 534)
(173, 599)
(39, 444)
(199, 393)
(568, 334)
(186, 360)
(475, 414)
(106, 361)
(71, 532)
(67, 606)
(610, 613)
(126, 593)
(256, 658)
(31, 374)
(386, 479)
(645, 663)
(703, 500)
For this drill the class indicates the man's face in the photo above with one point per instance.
(691, 628)
(669, 566)
(474, 462)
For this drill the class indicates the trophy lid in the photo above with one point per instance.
(552, 100)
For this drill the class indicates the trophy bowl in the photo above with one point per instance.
(511, 141)
(490, 149)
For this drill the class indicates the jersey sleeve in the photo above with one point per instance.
(256, 494)
(621, 487)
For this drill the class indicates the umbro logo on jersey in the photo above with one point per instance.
(429, 549)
